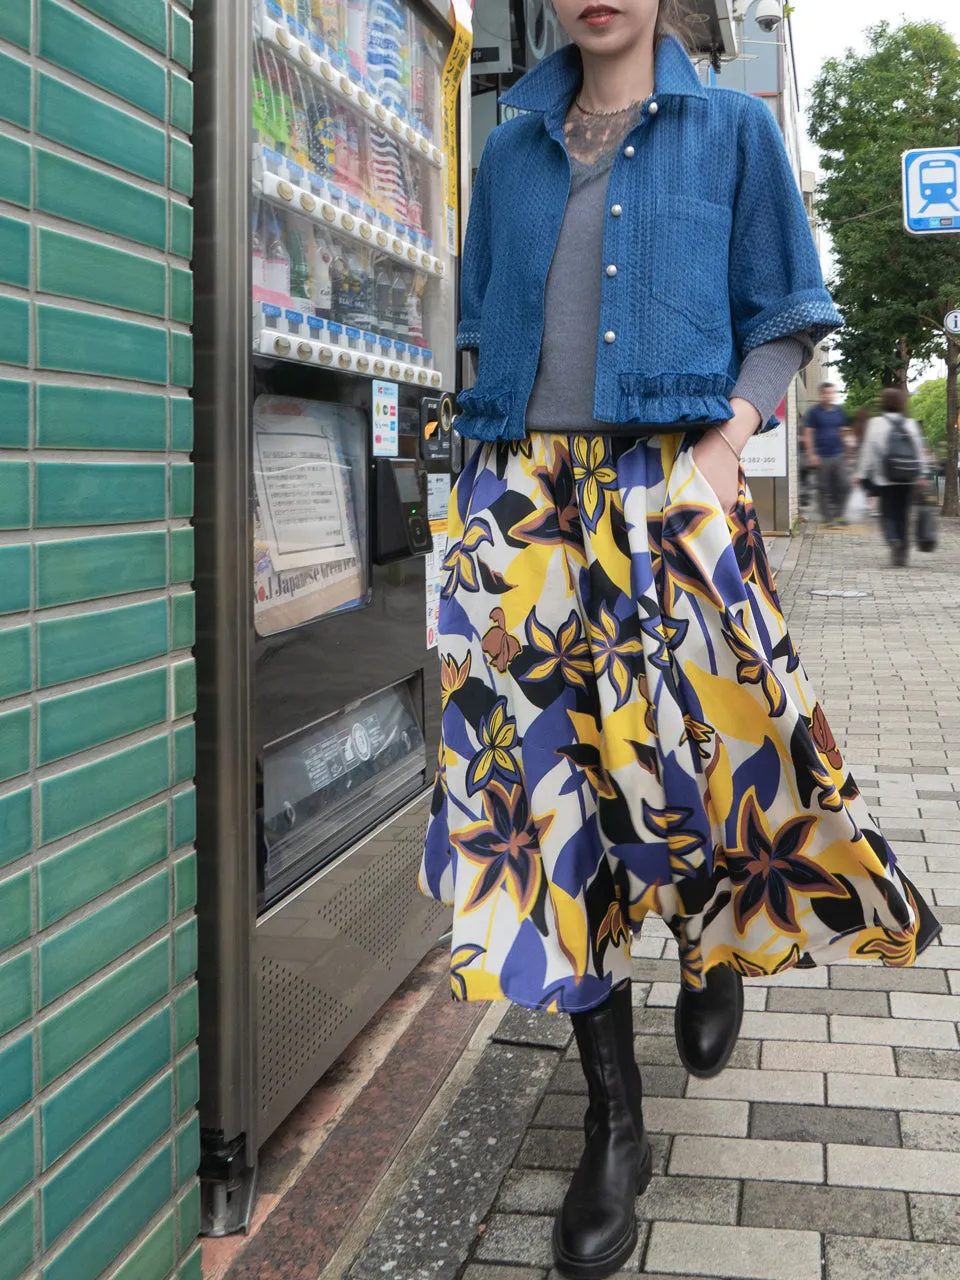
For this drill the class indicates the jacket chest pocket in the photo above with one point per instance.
(691, 257)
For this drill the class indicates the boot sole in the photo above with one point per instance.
(599, 1268)
(720, 1066)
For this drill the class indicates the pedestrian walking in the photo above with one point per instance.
(861, 501)
(824, 441)
(626, 726)
(893, 462)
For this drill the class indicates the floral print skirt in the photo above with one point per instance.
(627, 728)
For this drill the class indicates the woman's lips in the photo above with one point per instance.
(598, 15)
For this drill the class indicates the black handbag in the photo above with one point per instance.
(926, 527)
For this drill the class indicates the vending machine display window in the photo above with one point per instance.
(336, 779)
(310, 511)
(352, 261)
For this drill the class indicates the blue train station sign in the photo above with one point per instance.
(931, 191)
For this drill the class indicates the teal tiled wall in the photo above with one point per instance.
(99, 1140)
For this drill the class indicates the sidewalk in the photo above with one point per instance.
(830, 1150)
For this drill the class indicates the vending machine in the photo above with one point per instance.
(328, 211)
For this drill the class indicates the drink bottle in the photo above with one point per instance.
(258, 274)
(276, 267)
(322, 274)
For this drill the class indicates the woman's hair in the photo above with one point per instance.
(893, 400)
(673, 19)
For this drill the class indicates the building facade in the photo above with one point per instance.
(99, 1139)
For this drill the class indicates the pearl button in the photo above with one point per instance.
(653, 108)
(611, 270)
(616, 211)
(609, 337)
(629, 152)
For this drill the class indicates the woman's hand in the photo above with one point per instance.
(718, 462)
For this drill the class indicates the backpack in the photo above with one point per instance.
(902, 463)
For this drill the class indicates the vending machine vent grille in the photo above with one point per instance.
(348, 939)
(367, 911)
(297, 1019)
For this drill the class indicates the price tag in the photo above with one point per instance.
(386, 417)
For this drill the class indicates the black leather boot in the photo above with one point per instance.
(707, 1023)
(596, 1229)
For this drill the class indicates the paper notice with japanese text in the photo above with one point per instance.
(308, 558)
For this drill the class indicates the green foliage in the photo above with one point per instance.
(929, 406)
(866, 110)
(862, 395)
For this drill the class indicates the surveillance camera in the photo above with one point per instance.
(769, 14)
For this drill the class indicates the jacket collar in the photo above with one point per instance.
(550, 86)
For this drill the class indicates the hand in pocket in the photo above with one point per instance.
(719, 466)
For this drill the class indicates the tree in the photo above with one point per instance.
(866, 110)
(862, 395)
(929, 407)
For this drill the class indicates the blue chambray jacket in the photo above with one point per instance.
(705, 224)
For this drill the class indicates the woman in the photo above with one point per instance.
(626, 725)
(897, 484)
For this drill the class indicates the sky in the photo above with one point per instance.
(827, 28)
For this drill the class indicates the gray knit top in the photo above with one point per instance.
(562, 398)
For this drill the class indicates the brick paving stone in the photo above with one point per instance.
(654, 1022)
(872, 1004)
(895, 1169)
(912, 1032)
(935, 1218)
(760, 1086)
(560, 1111)
(741, 1252)
(954, 979)
(939, 1064)
(694, 1115)
(935, 1008)
(897, 1093)
(657, 970)
(690, 1200)
(869, 978)
(854, 1258)
(793, 1123)
(747, 1158)
(482, 1272)
(653, 1050)
(517, 1238)
(562, 1148)
(939, 958)
(818, 977)
(846, 1211)
(532, 1191)
(949, 915)
(785, 1026)
(664, 995)
(648, 948)
(791, 1055)
(930, 1132)
(658, 1081)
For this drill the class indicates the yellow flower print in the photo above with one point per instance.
(453, 677)
(612, 656)
(498, 734)
(593, 472)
